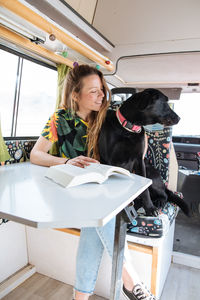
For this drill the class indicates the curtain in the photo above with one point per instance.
(4, 155)
(63, 70)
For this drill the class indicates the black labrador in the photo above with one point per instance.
(122, 141)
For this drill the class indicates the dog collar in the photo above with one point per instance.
(126, 124)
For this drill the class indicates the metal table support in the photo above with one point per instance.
(125, 216)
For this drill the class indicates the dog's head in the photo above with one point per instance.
(152, 107)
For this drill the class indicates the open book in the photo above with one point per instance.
(68, 175)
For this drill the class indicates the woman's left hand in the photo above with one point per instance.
(81, 161)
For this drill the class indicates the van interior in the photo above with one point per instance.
(137, 45)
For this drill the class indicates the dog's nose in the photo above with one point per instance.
(176, 118)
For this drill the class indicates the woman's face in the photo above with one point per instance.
(91, 95)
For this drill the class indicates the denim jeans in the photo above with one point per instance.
(93, 241)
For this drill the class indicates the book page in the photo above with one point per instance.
(87, 177)
(119, 170)
(69, 175)
(107, 170)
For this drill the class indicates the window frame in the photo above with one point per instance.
(16, 100)
(181, 138)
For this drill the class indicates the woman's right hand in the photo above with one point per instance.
(81, 161)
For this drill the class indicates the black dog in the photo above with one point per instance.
(121, 140)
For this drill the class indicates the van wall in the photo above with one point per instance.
(85, 8)
(13, 254)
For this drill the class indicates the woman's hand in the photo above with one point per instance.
(81, 161)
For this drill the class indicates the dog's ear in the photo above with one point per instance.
(148, 97)
(145, 99)
(155, 94)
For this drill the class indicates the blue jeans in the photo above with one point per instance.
(93, 241)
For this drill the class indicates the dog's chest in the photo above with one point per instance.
(132, 146)
(116, 142)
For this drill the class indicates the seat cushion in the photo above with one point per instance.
(157, 227)
(19, 150)
(159, 141)
(158, 150)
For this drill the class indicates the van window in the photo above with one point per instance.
(188, 108)
(34, 85)
(37, 98)
(8, 73)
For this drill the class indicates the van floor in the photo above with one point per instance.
(41, 287)
(187, 233)
(182, 284)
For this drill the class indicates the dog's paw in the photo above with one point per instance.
(152, 211)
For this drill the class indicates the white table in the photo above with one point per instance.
(28, 197)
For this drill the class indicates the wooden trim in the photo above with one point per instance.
(73, 231)
(154, 269)
(140, 248)
(131, 246)
(35, 19)
(26, 44)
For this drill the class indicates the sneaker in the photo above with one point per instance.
(139, 292)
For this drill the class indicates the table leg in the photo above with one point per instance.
(118, 256)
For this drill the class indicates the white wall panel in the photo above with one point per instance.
(13, 253)
(53, 253)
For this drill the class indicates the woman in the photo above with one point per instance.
(73, 130)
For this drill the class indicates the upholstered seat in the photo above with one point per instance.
(19, 150)
(159, 155)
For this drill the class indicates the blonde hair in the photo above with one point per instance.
(73, 84)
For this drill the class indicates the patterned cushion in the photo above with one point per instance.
(159, 140)
(154, 227)
(158, 150)
(19, 150)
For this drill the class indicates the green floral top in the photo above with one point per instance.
(68, 134)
